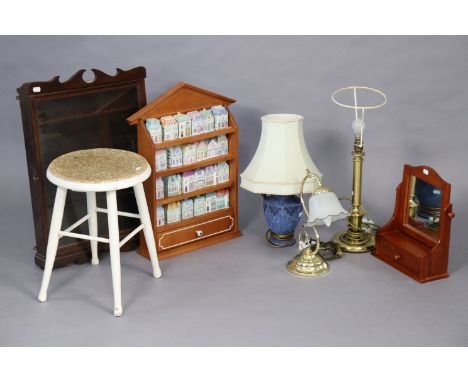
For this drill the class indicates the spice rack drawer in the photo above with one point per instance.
(195, 232)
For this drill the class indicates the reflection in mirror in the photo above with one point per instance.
(424, 206)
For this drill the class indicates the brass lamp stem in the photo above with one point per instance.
(320, 188)
(308, 175)
(355, 238)
(358, 157)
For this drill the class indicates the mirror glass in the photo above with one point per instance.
(85, 121)
(424, 206)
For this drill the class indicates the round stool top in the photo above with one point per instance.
(98, 170)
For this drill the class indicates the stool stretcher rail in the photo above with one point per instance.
(120, 213)
(85, 237)
(73, 226)
(131, 234)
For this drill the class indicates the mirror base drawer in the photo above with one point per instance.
(413, 260)
(399, 258)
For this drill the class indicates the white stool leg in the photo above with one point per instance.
(92, 224)
(114, 247)
(52, 243)
(147, 229)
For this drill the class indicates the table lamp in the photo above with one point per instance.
(324, 209)
(276, 171)
(357, 238)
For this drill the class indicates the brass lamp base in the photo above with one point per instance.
(277, 240)
(351, 242)
(308, 264)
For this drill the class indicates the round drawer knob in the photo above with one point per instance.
(199, 233)
(397, 257)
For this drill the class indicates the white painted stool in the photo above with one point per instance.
(91, 171)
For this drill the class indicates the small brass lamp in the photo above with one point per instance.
(324, 209)
(308, 262)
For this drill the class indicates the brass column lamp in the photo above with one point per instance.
(357, 238)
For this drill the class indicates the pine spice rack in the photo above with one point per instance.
(210, 228)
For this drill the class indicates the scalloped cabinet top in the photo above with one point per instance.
(184, 98)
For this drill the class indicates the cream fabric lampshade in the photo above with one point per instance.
(281, 159)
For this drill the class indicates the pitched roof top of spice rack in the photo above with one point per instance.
(189, 96)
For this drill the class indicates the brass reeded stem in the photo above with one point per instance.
(356, 238)
(355, 217)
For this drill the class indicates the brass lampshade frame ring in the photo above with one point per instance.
(356, 106)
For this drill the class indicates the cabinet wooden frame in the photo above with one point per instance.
(420, 256)
(86, 114)
(214, 226)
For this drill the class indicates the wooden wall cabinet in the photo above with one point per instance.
(416, 240)
(199, 231)
(59, 117)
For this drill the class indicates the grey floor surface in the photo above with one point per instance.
(232, 294)
(238, 292)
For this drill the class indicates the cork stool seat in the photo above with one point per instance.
(91, 171)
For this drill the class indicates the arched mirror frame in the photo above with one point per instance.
(430, 176)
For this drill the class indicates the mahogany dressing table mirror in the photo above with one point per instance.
(416, 239)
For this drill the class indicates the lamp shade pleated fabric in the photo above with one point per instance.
(281, 159)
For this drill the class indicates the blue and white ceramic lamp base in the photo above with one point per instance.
(282, 215)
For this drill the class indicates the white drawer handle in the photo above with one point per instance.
(199, 232)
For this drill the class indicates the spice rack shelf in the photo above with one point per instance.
(192, 166)
(194, 138)
(202, 230)
(200, 191)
